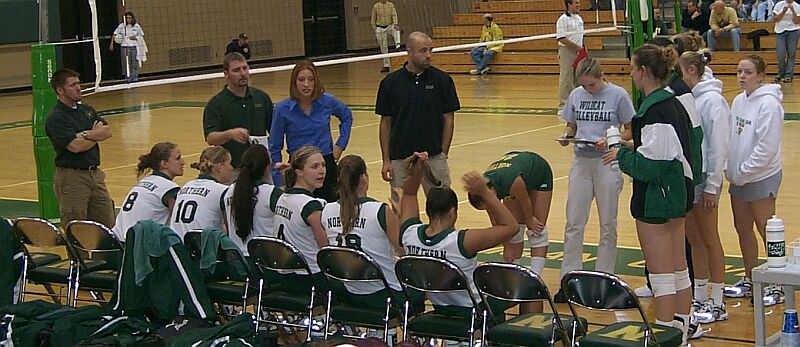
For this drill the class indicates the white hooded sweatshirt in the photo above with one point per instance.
(756, 132)
(715, 121)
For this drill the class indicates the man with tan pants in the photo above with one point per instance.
(75, 130)
(384, 20)
(569, 33)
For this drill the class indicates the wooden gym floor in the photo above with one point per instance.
(499, 113)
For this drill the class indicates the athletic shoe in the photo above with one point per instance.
(739, 289)
(385, 69)
(787, 80)
(773, 295)
(697, 306)
(485, 70)
(777, 79)
(694, 331)
(473, 72)
(560, 297)
(711, 312)
(643, 292)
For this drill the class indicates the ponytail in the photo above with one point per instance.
(351, 168)
(210, 157)
(297, 161)
(152, 161)
(255, 161)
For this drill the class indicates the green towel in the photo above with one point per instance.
(151, 240)
(211, 241)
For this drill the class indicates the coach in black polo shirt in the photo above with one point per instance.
(416, 105)
(75, 131)
(240, 114)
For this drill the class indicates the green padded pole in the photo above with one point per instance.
(43, 64)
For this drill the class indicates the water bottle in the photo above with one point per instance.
(613, 137)
(790, 335)
(776, 243)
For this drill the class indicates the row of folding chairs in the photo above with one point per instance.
(93, 255)
(510, 283)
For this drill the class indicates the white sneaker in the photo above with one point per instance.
(643, 292)
(773, 295)
(473, 72)
(711, 312)
(485, 70)
(739, 289)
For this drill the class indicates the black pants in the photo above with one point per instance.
(329, 190)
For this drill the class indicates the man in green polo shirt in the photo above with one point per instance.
(239, 115)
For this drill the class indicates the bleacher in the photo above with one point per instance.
(538, 17)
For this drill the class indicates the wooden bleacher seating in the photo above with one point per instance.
(538, 17)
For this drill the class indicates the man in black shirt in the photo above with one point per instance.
(239, 45)
(417, 105)
(75, 130)
(695, 17)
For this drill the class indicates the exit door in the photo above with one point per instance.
(324, 27)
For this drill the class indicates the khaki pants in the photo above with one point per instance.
(381, 35)
(566, 75)
(82, 194)
(590, 179)
(438, 165)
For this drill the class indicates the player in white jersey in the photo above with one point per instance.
(153, 195)
(297, 214)
(359, 222)
(199, 202)
(440, 239)
(250, 201)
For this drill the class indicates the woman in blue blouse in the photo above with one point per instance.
(304, 118)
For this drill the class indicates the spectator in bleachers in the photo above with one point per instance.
(240, 45)
(744, 8)
(762, 11)
(723, 23)
(787, 30)
(695, 17)
(569, 33)
(481, 55)
(384, 20)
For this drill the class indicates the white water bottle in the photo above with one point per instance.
(613, 137)
(776, 243)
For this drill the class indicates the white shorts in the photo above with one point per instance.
(535, 241)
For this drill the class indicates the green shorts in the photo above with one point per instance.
(540, 175)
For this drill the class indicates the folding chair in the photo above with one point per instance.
(271, 255)
(351, 266)
(602, 291)
(224, 285)
(43, 268)
(98, 255)
(517, 284)
(433, 275)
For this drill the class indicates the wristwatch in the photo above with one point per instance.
(84, 134)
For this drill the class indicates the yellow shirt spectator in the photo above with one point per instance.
(492, 33)
(383, 14)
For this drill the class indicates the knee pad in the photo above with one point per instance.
(537, 265)
(682, 280)
(662, 284)
(519, 237)
(538, 241)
